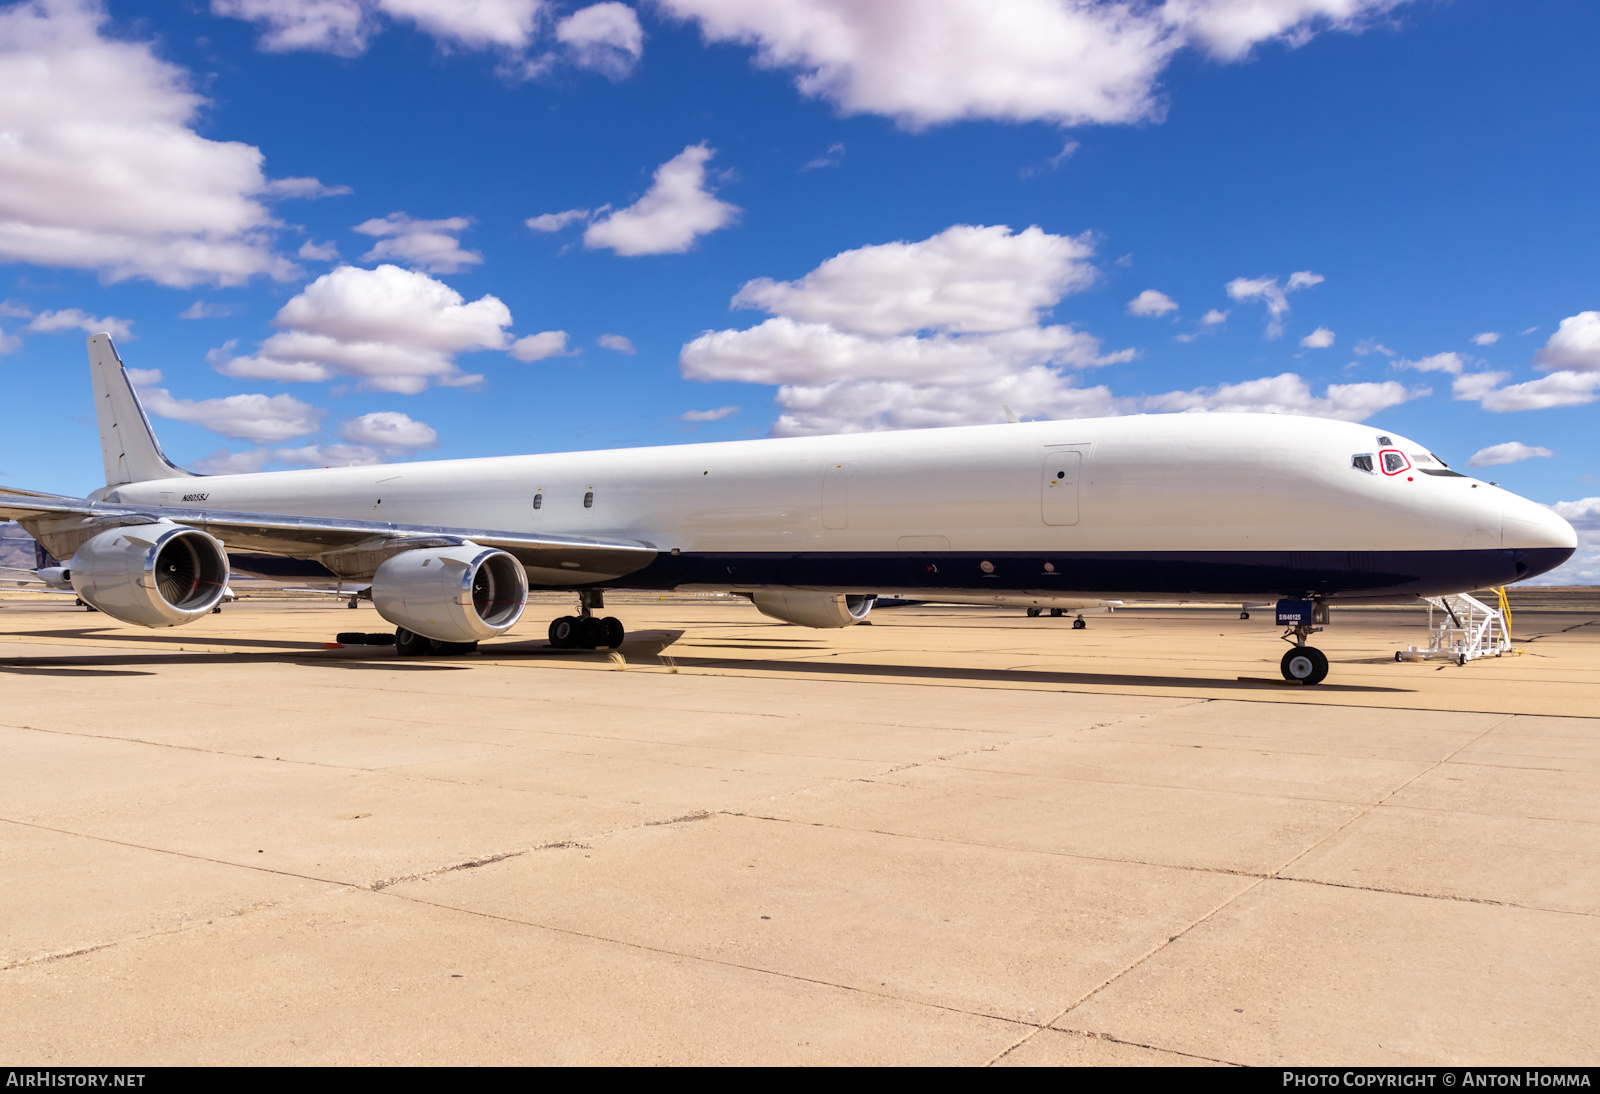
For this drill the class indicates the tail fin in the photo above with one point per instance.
(127, 443)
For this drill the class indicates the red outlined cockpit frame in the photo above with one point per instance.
(1383, 461)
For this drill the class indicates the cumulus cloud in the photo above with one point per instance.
(1321, 338)
(1289, 394)
(389, 431)
(264, 419)
(1510, 452)
(428, 245)
(1369, 346)
(1214, 317)
(709, 415)
(554, 222)
(536, 347)
(940, 331)
(144, 377)
(1555, 390)
(101, 170)
(1584, 566)
(329, 455)
(305, 189)
(318, 252)
(1487, 338)
(926, 62)
(202, 310)
(344, 26)
(223, 462)
(393, 329)
(616, 342)
(833, 157)
(604, 37)
(1438, 362)
(1274, 296)
(49, 322)
(1151, 303)
(966, 279)
(674, 212)
(1575, 346)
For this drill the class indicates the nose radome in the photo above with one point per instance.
(1527, 524)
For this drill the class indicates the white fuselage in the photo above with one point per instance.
(1187, 485)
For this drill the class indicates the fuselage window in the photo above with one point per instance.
(1394, 462)
(1363, 462)
(538, 501)
(588, 500)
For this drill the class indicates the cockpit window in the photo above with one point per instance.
(1422, 458)
(1363, 462)
(1394, 461)
(1384, 442)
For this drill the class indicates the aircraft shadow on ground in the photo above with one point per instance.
(643, 648)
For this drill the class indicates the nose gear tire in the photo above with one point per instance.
(1304, 665)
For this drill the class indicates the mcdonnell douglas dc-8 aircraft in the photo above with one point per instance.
(1238, 507)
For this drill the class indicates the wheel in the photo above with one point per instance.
(1078, 625)
(614, 632)
(411, 644)
(1244, 615)
(591, 633)
(217, 610)
(352, 603)
(1033, 613)
(1055, 613)
(451, 649)
(1304, 665)
(563, 632)
(1461, 659)
(1397, 656)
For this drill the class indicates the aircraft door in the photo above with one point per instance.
(1059, 489)
(836, 496)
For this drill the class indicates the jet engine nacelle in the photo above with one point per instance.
(454, 594)
(155, 575)
(824, 610)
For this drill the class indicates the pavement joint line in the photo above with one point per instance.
(1433, 896)
(1159, 947)
(1101, 782)
(1091, 1035)
(720, 962)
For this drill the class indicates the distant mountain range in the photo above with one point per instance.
(16, 546)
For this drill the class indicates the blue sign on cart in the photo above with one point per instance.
(1295, 613)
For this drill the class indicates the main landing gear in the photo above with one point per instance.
(1056, 613)
(1303, 664)
(587, 631)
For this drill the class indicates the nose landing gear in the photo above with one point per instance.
(1303, 664)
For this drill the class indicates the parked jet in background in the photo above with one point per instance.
(1304, 511)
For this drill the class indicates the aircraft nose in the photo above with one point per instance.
(1527, 524)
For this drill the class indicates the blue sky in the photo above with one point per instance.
(922, 211)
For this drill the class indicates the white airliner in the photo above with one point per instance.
(1239, 507)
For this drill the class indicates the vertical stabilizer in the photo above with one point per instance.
(127, 443)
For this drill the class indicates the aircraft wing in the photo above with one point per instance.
(557, 561)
